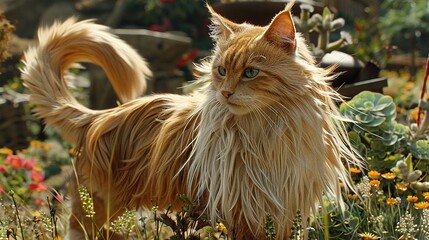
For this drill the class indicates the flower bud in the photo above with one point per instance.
(414, 175)
(403, 168)
(420, 186)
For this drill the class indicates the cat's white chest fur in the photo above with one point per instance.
(257, 162)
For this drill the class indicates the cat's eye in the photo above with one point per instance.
(222, 71)
(250, 72)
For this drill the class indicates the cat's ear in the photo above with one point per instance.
(281, 30)
(221, 27)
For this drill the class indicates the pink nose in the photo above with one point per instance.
(226, 94)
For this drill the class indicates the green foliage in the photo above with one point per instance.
(420, 149)
(187, 223)
(374, 130)
(270, 232)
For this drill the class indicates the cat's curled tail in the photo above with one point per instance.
(69, 42)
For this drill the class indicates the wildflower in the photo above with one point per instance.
(389, 176)
(47, 146)
(406, 226)
(221, 228)
(352, 196)
(15, 161)
(36, 176)
(72, 151)
(421, 205)
(38, 202)
(426, 195)
(373, 174)
(424, 224)
(125, 223)
(391, 201)
(59, 197)
(29, 164)
(355, 170)
(37, 214)
(6, 151)
(38, 187)
(414, 176)
(87, 203)
(368, 236)
(412, 199)
(364, 187)
(36, 143)
(374, 183)
(402, 187)
(3, 168)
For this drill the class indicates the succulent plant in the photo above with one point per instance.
(323, 24)
(420, 149)
(373, 119)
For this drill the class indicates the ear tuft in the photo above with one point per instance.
(221, 27)
(281, 30)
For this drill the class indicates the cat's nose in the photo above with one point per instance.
(226, 94)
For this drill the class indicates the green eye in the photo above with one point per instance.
(250, 72)
(221, 70)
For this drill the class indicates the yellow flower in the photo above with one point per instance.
(368, 236)
(47, 146)
(352, 196)
(374, 183)
(389, 176)
(409, 85)
(411, 198)
(36, 144)
(373, 174)
(221, 228)
(37, 214)
(72, 151)
(6, 151)
(402, 187)
(391, 201)
(355, 170)
(426, 195)
(421, 205)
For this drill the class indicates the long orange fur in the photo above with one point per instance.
(246, 147)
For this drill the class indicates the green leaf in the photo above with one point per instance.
(420, 149)
(377, 121)
(364, 118)
(354, 221)
(409, 162)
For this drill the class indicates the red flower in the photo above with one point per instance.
(3, 168)
(37, 176)
(155, 27)
(29, 164)
(38, 202)
(15, 161)
(59, 198)
(38, 187)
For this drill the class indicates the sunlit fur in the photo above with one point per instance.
(274, 146)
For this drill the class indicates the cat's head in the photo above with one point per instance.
(256, 67)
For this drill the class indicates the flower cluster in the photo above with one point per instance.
(391, 200)
(20, 174)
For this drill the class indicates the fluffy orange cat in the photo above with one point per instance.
(263, 137)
